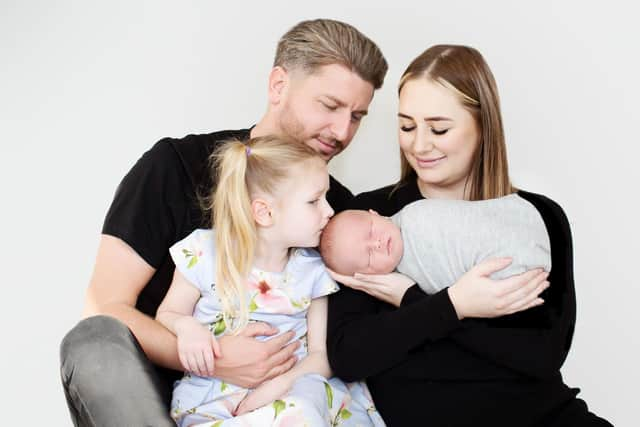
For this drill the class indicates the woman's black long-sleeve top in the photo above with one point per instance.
(426, 367)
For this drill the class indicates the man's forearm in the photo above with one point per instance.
(158, 343)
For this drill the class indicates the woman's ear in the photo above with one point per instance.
(261, 210)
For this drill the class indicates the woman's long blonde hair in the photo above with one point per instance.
(463, 71)
(244, 169)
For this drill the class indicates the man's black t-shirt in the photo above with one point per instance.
(157, 203)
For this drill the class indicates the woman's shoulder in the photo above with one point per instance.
(387, 200)
(552, 213)
(541, 202)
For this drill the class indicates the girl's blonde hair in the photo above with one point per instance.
(244, 169)
(463, 71)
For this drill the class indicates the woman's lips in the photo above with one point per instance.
(425, 163)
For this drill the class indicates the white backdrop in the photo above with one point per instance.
(86, 87)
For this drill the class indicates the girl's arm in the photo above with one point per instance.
(196, 344)
(315, 362)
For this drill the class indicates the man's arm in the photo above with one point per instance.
(119, 276)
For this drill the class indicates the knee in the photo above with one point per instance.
(90, 343)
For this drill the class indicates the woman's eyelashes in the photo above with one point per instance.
(435, 131)
(438, 131)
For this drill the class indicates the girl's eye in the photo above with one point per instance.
(439, 131)
(330, 107)
(407, 128)
(313, 202)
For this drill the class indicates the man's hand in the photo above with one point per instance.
(247, 362)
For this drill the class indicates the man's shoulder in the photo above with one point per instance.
(195, 147)
(190, 153)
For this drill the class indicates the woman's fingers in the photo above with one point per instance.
(521, 299)
(521, 284)
(491, 265)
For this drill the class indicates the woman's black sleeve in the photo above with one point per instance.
(535, 342)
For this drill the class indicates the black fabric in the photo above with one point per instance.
(423, 364)
(157, 203)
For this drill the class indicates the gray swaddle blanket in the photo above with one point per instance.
(443, 239)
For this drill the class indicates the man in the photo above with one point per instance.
(118, 363)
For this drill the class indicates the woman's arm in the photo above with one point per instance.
(366, 336)
(536, 344)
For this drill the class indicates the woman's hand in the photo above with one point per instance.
(266, 393)
(476, 295)
(196, 346)
(389, 287)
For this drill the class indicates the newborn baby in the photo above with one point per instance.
(436, 241)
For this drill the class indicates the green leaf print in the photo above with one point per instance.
(223, 386)
(193, 261)
(219, 327)
(327, 388)
(253, 306)
(279, 406)
(297, 304)
(345, 414)
(217, 423)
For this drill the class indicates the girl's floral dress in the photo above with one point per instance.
(282, 300)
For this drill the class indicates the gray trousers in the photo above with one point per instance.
(108, 380)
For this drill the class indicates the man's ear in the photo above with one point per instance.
(278, 84)
(261, 210)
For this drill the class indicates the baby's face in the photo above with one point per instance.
(367, 243)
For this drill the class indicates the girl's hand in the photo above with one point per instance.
(476, 295)
(266, 393)
(389, 287)
(196, 346)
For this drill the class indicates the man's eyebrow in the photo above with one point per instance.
(341, 103)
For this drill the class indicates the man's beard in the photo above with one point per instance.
(293, 128)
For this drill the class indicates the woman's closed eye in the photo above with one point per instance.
(439, 131)
(407, 128)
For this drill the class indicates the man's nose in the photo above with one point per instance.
(341, 126)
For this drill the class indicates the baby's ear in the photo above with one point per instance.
(371, 211)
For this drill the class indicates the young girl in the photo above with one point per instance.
(269, 205)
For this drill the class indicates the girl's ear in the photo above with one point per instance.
(261, 210)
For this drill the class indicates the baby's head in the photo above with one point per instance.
(361, 242)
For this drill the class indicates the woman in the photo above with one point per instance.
(449, 358)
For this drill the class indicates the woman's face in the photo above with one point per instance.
(438, 137)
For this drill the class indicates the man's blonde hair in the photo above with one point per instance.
(314, 43)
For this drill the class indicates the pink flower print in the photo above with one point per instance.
(290, 419)
(269, 298)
